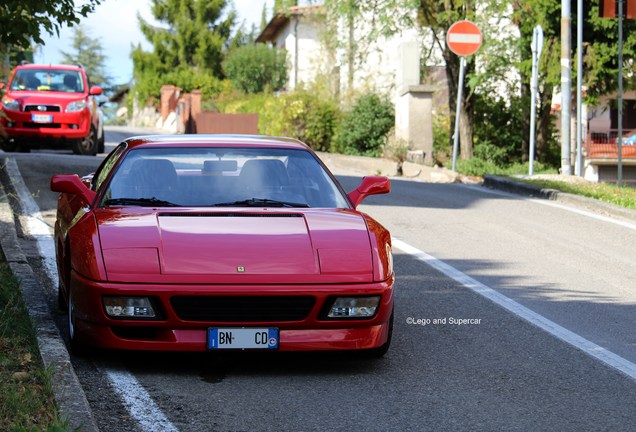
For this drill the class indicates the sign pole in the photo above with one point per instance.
(579, 89)
(460, 88)
(537, 47)
(464, 39)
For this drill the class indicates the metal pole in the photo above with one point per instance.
(460, 88)
(566, 91)
(620, 93)
(533, 102)
(579, 88)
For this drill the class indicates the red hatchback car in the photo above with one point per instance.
(211, 242)
(51, 104)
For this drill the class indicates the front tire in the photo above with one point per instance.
(101, 144)
(76, 347)
(87, 146)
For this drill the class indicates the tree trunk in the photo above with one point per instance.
(543, 125)
(466, 131)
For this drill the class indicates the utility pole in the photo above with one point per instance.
(579, 89)
(566, 87)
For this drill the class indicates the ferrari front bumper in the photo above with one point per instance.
(172, 331)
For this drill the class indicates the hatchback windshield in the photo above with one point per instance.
(222, 177)
(48, 80)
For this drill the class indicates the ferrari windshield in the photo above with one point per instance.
(222, 177)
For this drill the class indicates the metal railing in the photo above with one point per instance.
(603, 144)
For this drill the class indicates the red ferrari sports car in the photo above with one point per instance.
(210, 242)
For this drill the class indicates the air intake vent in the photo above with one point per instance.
(242, 308)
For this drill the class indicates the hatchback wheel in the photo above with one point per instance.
(87, 146)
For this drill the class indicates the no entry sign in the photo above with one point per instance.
(463, 38)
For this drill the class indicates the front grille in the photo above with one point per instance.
(242, 308)
(48, 108)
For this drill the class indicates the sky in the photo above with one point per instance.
(114, 23)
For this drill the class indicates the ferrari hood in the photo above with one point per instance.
(236, 243)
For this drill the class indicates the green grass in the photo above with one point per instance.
(610, 193)
(26, 398)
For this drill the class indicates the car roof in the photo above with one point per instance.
(49, 66)
(215, 140)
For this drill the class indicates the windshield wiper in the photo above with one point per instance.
(144, 202)
(260, 202)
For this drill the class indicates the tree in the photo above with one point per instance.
(192, 43)
(263, 18)
(256, 67)
(88, 52)
(23, 21)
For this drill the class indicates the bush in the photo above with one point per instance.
(256, 67)
(499, 128)
(302, 114)
(148, 86)
(442, 148)
(363, 130)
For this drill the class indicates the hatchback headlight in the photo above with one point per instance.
(354, 307)
(10, 104)
(76, 106)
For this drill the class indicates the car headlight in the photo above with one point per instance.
(10, 104)
(354, 307)
(76, 106)
(129, 307)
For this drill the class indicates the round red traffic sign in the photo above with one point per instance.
(463, 38)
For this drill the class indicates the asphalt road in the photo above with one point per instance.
(497, 373)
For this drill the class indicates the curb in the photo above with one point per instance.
(69, 395)
(520, 188)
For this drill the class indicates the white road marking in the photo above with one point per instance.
(590, 348)
(35, 224)
(139, 403)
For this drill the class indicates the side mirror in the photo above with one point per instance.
(72, 184)
(371, 185)
(95, 91)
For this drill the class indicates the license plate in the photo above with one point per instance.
(41, 118)
(242, 338)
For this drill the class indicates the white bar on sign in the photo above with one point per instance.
(464, 38)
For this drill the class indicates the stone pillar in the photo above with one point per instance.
(168, 101)
(195, 109)
(414, 122)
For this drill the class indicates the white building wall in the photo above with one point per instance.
(302, 42)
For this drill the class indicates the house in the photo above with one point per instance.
(298, 32)
(348, 54)
(601, 143)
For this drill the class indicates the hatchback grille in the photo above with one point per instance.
(47, 108)
(242, 308)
